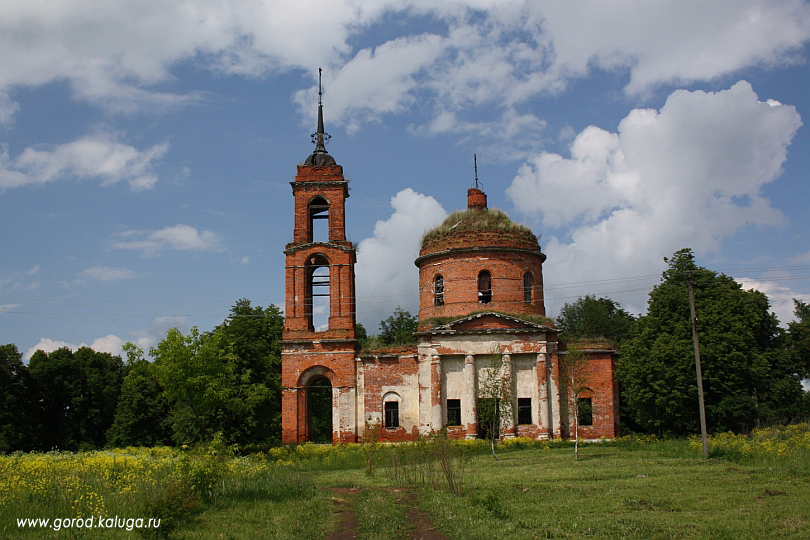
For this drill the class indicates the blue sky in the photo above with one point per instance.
(146, 148)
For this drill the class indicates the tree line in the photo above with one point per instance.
(228, 380)
(752, 368)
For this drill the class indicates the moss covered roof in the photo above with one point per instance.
(479, 220)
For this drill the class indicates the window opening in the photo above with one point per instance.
(319, 407)
(484, 287)
(585, 411)
(453, 412)
(319, 220)
(318, 293)
(528, 283)
(438, 290)
(525, 410)
(391, 414)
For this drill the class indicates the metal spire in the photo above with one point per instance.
(320, 138)
(475, 162)
(320, 156)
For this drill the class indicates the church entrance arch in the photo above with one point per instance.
(319, 410)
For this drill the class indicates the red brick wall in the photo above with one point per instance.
(460, 269)
(332, 352)
(601, 382)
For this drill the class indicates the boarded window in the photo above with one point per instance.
(453, 412)
(484, 287)
(391, 415)
(525, 410)
(438, 290)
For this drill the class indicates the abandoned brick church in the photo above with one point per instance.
(480, 295)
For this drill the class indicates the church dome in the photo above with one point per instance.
(479, 260)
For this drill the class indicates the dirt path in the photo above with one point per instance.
(421, 526)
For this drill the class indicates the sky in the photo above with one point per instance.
(146, 148)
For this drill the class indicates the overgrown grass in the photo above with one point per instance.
(754, 486)
(475, 220)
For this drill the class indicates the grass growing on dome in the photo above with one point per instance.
(477, 220)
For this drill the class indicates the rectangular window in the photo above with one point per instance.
(453, 412)
(391, 414)
(585, 411)
(525, 410)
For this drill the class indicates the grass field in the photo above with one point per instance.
(754, 487)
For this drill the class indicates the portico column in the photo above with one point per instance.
(469, 416)
(436, 422)
(509, 420)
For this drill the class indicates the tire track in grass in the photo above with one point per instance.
(419, 526)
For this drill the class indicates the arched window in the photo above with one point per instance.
(317, 302)
(438, 290)
(391, 410)
(528, 284)
(484, 287)
(319, 219)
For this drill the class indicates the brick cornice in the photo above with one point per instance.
(479, 249)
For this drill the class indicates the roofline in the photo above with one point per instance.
(478, 249)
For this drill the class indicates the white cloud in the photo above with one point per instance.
(107, 344)
(688, 175)
(781, 297)
(8, 307)
(480, 53)
(106, 273)
(386, 275)
(97, 156)
(179, 237)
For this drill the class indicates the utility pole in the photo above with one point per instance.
(703, 435)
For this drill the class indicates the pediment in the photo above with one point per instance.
(489, 322)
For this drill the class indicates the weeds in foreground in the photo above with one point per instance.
(433, 461)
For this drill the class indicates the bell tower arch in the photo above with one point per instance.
(319, 326)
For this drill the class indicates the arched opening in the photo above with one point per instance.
(438, 290)
(318, 293)
(391, 410)
(484, 287)
(585, 407)
(319, 219)
(528, 285)
(319, 410)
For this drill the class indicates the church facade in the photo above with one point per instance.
(481, 322)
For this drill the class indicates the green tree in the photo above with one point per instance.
(76, 395)
(740, 348)
(591, 317)
(202, 376)
(142, 415)
(398, 329)
(576, 372)
(16, 422)
(495, 398)
(254, 335)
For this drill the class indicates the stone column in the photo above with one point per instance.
(508, 421)
(436, 417)
(553, 362)
(544, 409)
(469, 408)
(360, 398)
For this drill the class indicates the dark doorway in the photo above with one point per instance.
(319, 407)
(489, 418)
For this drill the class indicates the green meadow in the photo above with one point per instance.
(755, 486)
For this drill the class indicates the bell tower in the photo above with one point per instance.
(318, 342)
